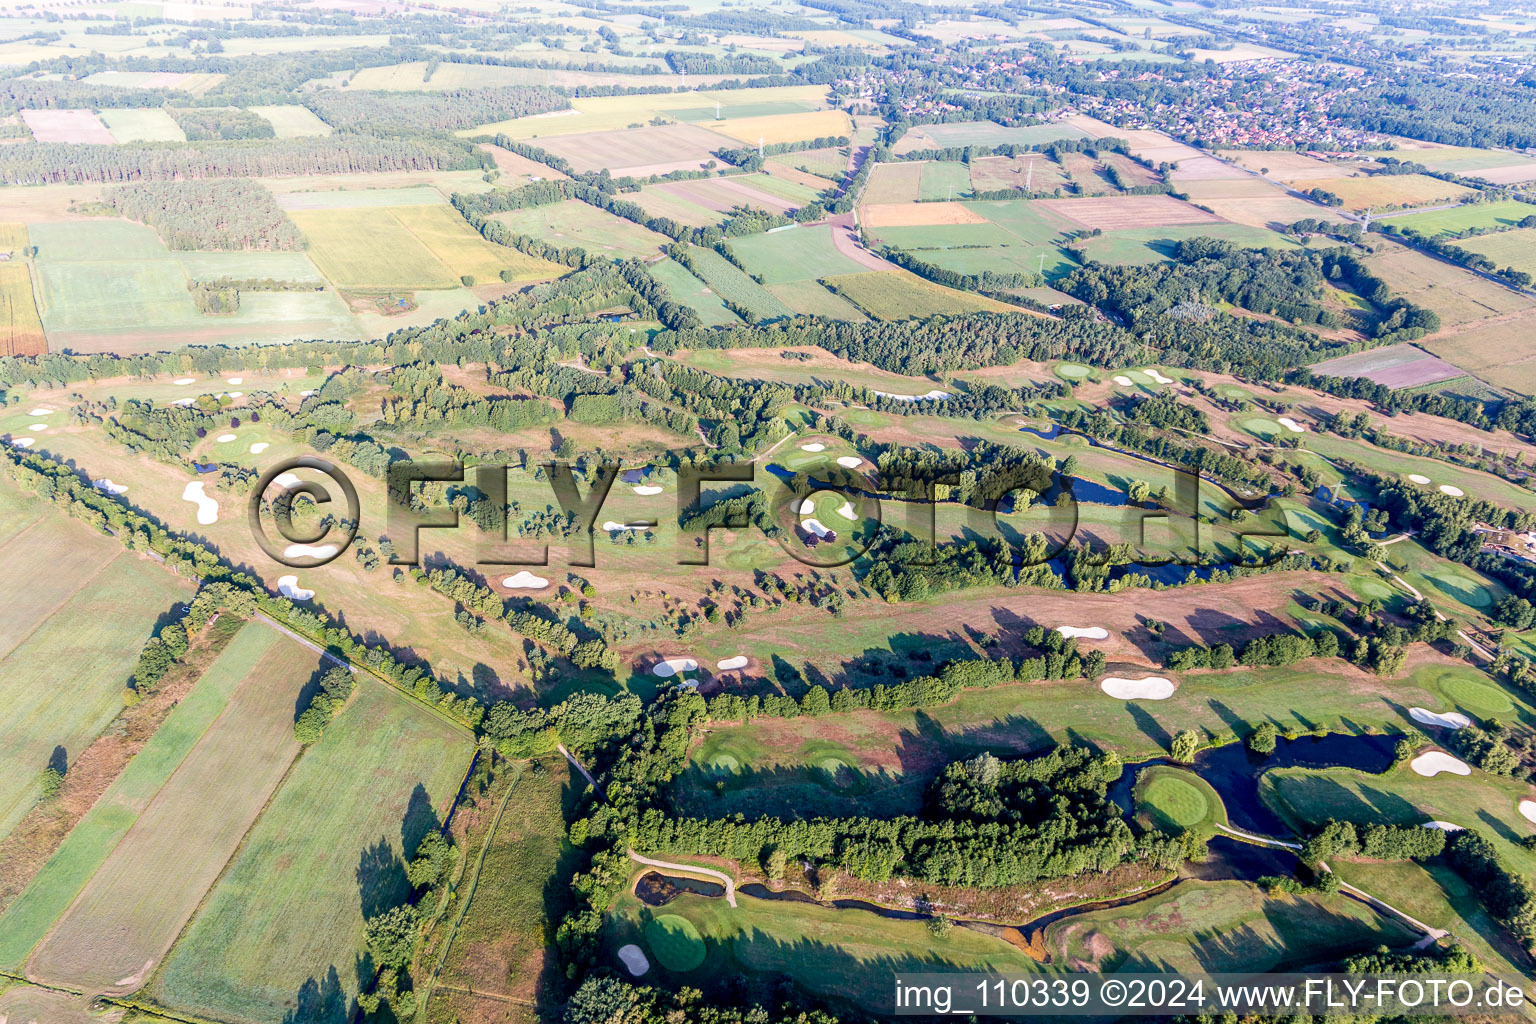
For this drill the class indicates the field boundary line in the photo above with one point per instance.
(139, 817)
(469, 894)
(170, 954)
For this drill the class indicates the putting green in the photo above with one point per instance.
(722, 764)
(1261, 427)
(1229, 391)
(1173, 800)
(1461, 588)
(1073, 370)
(675, 943)
(1367, 587)
(1479, 697)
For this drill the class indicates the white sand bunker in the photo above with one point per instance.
(668, 667)
(305, 394)
(41, 411)
(23, 442)
(525, 580)
(234, 394)
(1157, 375)
(1418, 478)
(1122, 380)
(814, 526)
(310, 550)
(106, 484)
(846, 510)
(1150, 688)
(287, 480)
(933, 395)
(37, 426)
(289, 587)
(613, 527)
(1445, 720)
(184, 401)
(740, 661)
(1292, 425)
(207, 508)
(234, 380)
(259, 447)
(807, 507)
(1528, 809)
(634, 960)
(182, 382)
(1444, 826)
(850, 461)
(1436, 761)
(225, 438)
(647, 489)
(1455, 492)
(814, 446)
(1084, 632)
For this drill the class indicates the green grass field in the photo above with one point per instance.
(463, 251)
(728, 282)
(291, 121)
(138, 900)
(1200, 927)
(793, 254)
(843, 955)
(898, 295)
(1487, 803)
(271, 933)
(574, 223)
(943, 236)
(1502, 214)
(79, 609)
(1506, 248)
(92, 839)
(129, 125)
(690, 291)
(1006, 259)
(944, 179)
(1177, 800)
(812, 299)
(500, 948)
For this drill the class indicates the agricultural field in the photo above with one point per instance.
(406, 247)
(1396, 366)
(181, 840)
(1459, 219)
(80, 609)
(1120, 213)
(577, 224)
(1253, 202)
(730, 284)
(461, 249)
(639, 151)
(606, 113)
(111, 285)
(690, 291)
(898, 295)
(129, 125)
(1394, 191)
(357, 802)
(792, 254)
(826, 163)
(1498, 350)
(982, 133)
(771, 129)
(1039, 172)
(1506, 248)
(78, 126)
(23, 329)
(811, 299)
(1147, 245)
(1457, 295)
(291, 121)
(894, 183)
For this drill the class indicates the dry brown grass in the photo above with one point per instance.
(1114, 213)
(1456, 295)
(908, 215)
(894, 183)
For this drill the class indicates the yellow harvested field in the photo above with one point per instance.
(1364, 193)
(1249, 200)
(1292, 167)
(370, 249)
(21, 331)
(463, 251)
(899, 295)
(1112, 213)
(911, 215)
(13, 236)
(773, 128)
